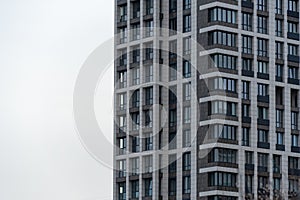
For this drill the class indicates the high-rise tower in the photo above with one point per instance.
(206, 99)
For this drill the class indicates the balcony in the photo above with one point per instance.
(249, 167)
(295, 149)
(293, 36)
(263, 76)
(248, 4)
(246, 120)
(293, 81)
(263, 145)
(279, 78)
(264, 99)
(121, 2)
(293, 58)
(262, 169)
(248, 73)
(294, 172)
(263, 122)
(280, 147)
(293, 14)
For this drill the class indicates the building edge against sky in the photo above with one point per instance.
(227, 128)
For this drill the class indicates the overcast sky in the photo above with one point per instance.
(43, 44)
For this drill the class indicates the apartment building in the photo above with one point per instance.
(206, 99)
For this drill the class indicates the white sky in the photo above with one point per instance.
(42, 47)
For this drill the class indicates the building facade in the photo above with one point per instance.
(206, 99)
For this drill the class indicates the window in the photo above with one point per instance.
(262, 5)
(135, 99)
(263, 136)
(262, 67)
(172, 140)
(149, 7)
(173, 72)
(148, 187)
(172, 187)
(149, 96)
(187, 91)
(263, 113)
(279, 70)
(135, 76)
(263, 160)
(148, 73)
(224, 61)
(173, 5)
(248, 184)
(172, 163)
(279, 118)
(249, 160)
(295, 141)
(187, 115)
(293, 72)
(247, 21)
(279, 28)
(222, 15)
(186, 4)
(293, 49)
(186, 23)
(135, 144)
(294, 120)
(186, 138)
(186, 185)
(247, 44)
(293, 5)
(148, 164)
(293, 185)
(262, 89)
(122, 191)
(276, 163)
(186, 161)
(122, 145)
(148, 142)
(262, 182)
(135, 117)
(223, 132)
(262, 24)
(173, 118)
(121, 168)
(186, 46)
(293, 163)
(173, 26)
(148, 118)
(225, 84)
(223, 155)
(247, 64)
(122, 101)
(245, 136)
(186, 69)
(135, 32)
(149, 28)
(122, 79)
(280, 138)
(245, 110)
(136, 10)
(262, 47)
(123, 35)
(223, 107)
(135, 189)
(245, 90)
(135, 166)
(292, 27)
(278, 7)
(279, 50)
(148, 51)
(135, 55)
(223, 38)
(123, 13)
(122, 123)
(223, 179)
